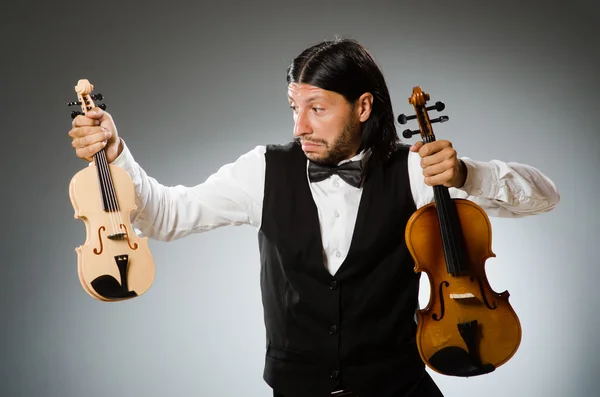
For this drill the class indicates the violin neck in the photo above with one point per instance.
(451, 231)
(107, 189)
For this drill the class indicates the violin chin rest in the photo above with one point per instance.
(455, 361)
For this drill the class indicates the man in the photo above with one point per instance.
(338, 286)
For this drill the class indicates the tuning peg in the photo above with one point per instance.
(409, 133)
(441, 119)
(75, 113)
(97, 97)
(402, 119)
(439, 106)
(102, 106)
(73, 103)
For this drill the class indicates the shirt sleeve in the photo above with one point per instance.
(231, 196)
(502, 189)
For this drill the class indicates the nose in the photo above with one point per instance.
(301, 124)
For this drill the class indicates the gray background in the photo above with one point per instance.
(191, 87)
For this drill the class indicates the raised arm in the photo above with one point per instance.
(502, 189)
(230, 196)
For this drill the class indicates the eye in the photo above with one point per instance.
(317, 109)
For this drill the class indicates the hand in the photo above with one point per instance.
(93, 132)
(440, 164)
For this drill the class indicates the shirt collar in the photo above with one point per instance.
(362, 156)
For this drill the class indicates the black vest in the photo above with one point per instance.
(357, 328)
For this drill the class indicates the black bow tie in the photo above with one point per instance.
(351, 172)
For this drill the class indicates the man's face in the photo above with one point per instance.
(326, 124)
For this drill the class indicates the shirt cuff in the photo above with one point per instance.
(484, 179)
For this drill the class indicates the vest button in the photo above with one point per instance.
(333, 329)
(333, 284)
(334, 374)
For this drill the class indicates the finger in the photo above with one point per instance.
(86, 141)
(439, 179)
(434, 147)
(79, 132)
(81, 153)
(88, 151)
(96, 135)
(448, 153)
(92, 117)
(416, 147)
(84, 121)
(99, 115)
(439, 168)
(95, 113)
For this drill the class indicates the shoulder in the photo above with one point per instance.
(254, 156)
(261, 154)
(401, 154)
(402, 150)
(290, 151)
(288, 147)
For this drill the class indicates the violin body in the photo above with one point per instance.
(114, 264)
(466, 329)
(110, 269)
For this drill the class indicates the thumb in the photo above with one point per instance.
(416, 146)
(97, 114)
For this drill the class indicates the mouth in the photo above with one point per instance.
(306, 145)
(309, 147)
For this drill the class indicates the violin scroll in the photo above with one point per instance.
(85, 100)
(419, 99)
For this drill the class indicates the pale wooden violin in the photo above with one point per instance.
(114, 264)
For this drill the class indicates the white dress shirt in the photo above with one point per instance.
(233, 195)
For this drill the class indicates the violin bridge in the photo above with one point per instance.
(467, 295)
(466, 298)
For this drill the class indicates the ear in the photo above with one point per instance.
(364, 104)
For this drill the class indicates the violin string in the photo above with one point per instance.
(88, 281)
(104, 188)
(104, 177)
(108, 187)
(105, 242)
(111, 200)
(106, 196)
(111, 246)
(444, 201)
(116, 211)
(115, 215)
(442, 215)
(103, 172)
(114, 200)
(448, 236)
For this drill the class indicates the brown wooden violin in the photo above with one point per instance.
(114, 264)
(466, 329)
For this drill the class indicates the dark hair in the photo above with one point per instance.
(346, 67)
